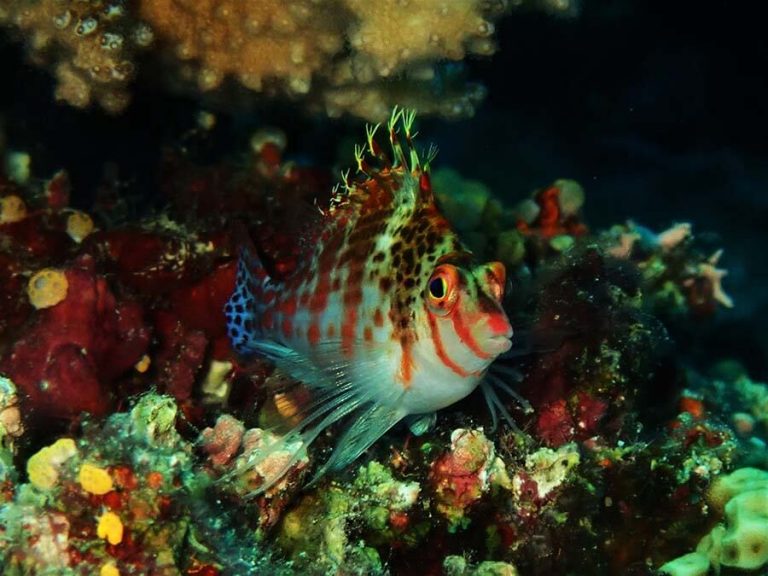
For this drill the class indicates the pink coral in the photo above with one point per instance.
(461, 475)
(223, 440)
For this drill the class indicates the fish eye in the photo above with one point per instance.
(441, 289)
(438, 288)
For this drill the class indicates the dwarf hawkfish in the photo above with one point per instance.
(387, 318)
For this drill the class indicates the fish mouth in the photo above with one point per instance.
(498, 344)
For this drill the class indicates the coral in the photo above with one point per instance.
(616, 459)
(677, 276)
(742, 542)
(391, 35)
(705, 285)
(11, 425)
(464, 473)
(95, 502)
(547, 469)
(91, 46)
(301, 47)
(315, 537)
(344, 56)
(375, 502)
(385, 504)
(70, 351)
(255, 42)
(482, 221)
(248, 459)
(458, 566)
(180, 357)
(222, 441)
(553, 211)
(18, 166)
(342, 53)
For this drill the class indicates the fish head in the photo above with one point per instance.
(463, 303)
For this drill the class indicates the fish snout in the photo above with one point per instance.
(499, 334)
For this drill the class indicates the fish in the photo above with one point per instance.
(388, 318)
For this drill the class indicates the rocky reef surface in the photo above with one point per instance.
(133, 440)
(127, 421)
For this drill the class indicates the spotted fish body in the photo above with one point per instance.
(387, 318)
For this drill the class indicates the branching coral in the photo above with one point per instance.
(392, 33)
(345, 52)
(90, 45)
(252, 41)
(346, 56)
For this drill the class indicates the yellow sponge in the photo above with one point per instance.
(43, 466)
(742, 540)
(741, 480)
(745, 543)
(47, 288)
(110, 528)
(94, 479)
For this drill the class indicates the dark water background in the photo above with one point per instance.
(660, 109)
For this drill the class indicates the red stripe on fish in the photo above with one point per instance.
(437, 340)
(465, 335)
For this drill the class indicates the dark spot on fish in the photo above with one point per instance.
(408, 258)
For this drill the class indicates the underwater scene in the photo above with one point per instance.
(392, 287)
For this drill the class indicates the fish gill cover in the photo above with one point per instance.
(540, 350)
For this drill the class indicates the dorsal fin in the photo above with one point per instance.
(403, 174)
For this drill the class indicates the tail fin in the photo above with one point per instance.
(242, 308)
